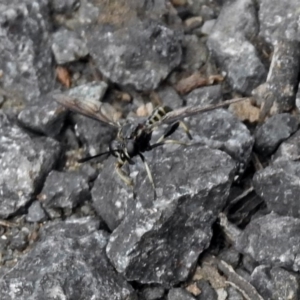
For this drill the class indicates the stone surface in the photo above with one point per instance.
(279, 20)
(67, 46)
(272, 240)
(230, 44)
(192, 185)
(153, 293)
(179, 294)
(207, 292)
(275, 283)
(275, 130)
(44, 117)
(69, 261)
(140, 55)
(279, 185)
(24, 163)
(64, 190)
(25, 55)
(36, 213)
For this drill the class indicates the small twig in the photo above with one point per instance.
(242, 195)
(7, 224)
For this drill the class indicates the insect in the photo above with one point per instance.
(134, 139)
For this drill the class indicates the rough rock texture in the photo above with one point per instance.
(36, 213)
(78, 268)
(192, 187)
(279, 185)
(25, 55)
(275, 130)
(275, 283)
(141, 55)
(272, 240)
(64, 190)
(24, 163)
(45, 117)
(230, 44)
(179, 294)
(279, 20)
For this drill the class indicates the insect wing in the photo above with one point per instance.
(96, 110)
(189, 111)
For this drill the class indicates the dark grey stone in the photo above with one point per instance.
(44, 117)
(67, 46)
(229, 42)
(205, 95)
(19, 241)
(275, 130)
(234, 294)
(25, 55)
(207, 292)
(169, 96)
(24, 162)
(279, 20)
(275, 283)
(279, 186)
(192, 185)
(278, 94)
(272, 240)
(231, 256)
(64, 190)
(36, 213)
(179, 294)
(64, 6)
(140, 55)
(153, 293)
(69, 261)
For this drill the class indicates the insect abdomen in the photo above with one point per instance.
(158, 114)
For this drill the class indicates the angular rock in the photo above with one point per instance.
(275, 283)
(229, 42)
(140, 55)
(207, 292)
(278, 94)
(233, 294)
(169, 96)
(279, 186)
(272, 240)
(25, 55)
(64, 190)
(67, 46)
(64, 6)
(153, 293)
(36, 213)
(68, 264)
(192, 185)
(275, 130)
(45, 117)
(279, 20)
(179, 294)
(24, 163)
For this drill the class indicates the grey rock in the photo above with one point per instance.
(64, 6)
(272, 240)
(67, 46)
(249, 263)
(192, 185)
(219, 129)
(36, 213)
(153, 293)
(208, 26)
(289, 149)
(179, 294)
(275, 283)
(24, 163)
(64, 190)
(69, 264)
(231, 256)
(275, 130)
(169, 96)
(140, 55)
(233, 294)
(229, 42)
(207, 292)
(25, 56)
(278, 94)
(279, 186)
(195, 53)
(44, 117)
(19, 241)
(279, 20)
(205, 95)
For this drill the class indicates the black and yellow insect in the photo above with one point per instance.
(134, 139)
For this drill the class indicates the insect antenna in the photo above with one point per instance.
(87, 158)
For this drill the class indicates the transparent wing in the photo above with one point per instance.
(96, 110)
(188, 111)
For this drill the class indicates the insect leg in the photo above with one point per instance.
(164, 142)
(148, 173)
(122, 174)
